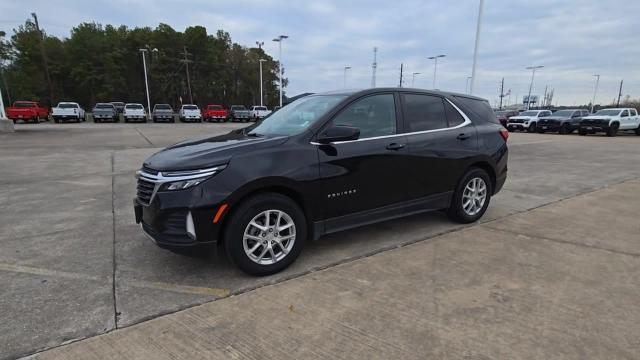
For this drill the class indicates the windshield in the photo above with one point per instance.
(190, 107)
(163, 107)
(104, 106)
(133, 106)
(261, 108)
(297, 116)
(608, 112)
(565, 113)
(238, 107)
(24, 105)
(528, 113)
(67, 106)
(215, 107)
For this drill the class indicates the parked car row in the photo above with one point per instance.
(609, 121)
(135, 112)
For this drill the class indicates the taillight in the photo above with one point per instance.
(504, 133)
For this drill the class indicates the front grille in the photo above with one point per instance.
(594, 122)
(549, 122)
(145, 190)
(516, 121)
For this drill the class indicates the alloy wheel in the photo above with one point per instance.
(269, 237)
(474, 196)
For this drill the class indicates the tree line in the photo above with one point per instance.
(99, 63)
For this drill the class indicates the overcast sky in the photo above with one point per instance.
(573, 39)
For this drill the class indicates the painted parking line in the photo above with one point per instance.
(183, 289)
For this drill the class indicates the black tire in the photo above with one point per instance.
(541, 131)
(456, 211)
(532, 128)
(239, 220)
(582, 132)
(57, 121)
(565, 129)
(510, 129)
(638, 130)
(613, 130)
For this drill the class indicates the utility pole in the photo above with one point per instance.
(619, 93)
(400, 74)
(501, 92)
(261, 61)
(595, 90)
(344, 82)
(533, 74)
(45, 60)
(146, 82)
(413, 78)
(374, 66)
(544, 97)
(466, 85)
(186, 62)
(477, 45)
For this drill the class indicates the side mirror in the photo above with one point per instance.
(339, 133)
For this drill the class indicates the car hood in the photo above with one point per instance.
(562, 118)
(522, 117)
(598, 117)
(205, 152)
(163, 111)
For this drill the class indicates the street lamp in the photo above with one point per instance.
(466, 85)
(261, 61)
(413, 78)
(435, 67)
(595, 91)
(533, 73)
(344, 82)
(475, 49)
(146, 81)
(279, 40)
(260, 43)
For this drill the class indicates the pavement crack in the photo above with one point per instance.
(141, 134)
(567, 242)
(113, 248)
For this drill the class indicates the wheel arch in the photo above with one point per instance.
(486, 166)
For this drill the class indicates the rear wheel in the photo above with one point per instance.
(472, 196)
(613, 130)
(265, 234)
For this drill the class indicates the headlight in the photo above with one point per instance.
(179, 180)
(181, 185)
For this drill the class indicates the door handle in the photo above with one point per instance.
(463, 137)
(395, 146)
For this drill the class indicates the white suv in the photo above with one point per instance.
(526, 120)
(190, 113)
(134, 112)
(610, 121)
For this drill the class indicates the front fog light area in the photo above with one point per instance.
(191, 229)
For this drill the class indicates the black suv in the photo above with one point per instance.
(324, 163)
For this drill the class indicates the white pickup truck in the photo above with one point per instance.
(259, 112)
(610, 121)
(66, 111)
(526, 120)
(190, 113)
(134, 112)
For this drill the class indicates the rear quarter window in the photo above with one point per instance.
(479, 109)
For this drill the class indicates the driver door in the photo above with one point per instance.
(370, 172)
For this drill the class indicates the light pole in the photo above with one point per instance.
(466, 85)
(279, 40)
(344, 81)
(533, 73)
(435, 67)
(146, 81)
(3, 115)
(259, 43)
(413, 78)
(475, 49)
(595, 91)
(261, 61)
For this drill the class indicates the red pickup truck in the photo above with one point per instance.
(27, 111)
(215, 113)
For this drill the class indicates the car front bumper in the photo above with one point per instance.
(594, 128)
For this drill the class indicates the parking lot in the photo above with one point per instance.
(73, 263)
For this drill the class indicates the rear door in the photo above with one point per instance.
(625, 120)
(439, 138)
(370, 172)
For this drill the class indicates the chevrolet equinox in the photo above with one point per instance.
(324, 163)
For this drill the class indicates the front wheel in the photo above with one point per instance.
(472, 196)
(613, 130)
(532, 127)
(265, 234)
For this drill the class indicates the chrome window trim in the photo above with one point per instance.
(466, 122)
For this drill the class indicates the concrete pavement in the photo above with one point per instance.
(522, 287)
(73, 264)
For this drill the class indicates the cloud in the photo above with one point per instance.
(573, 39)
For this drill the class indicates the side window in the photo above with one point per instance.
(453, 116)
(625, 113)
(423, 112)
(374, 115)
(634, 112)
(477, 109)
